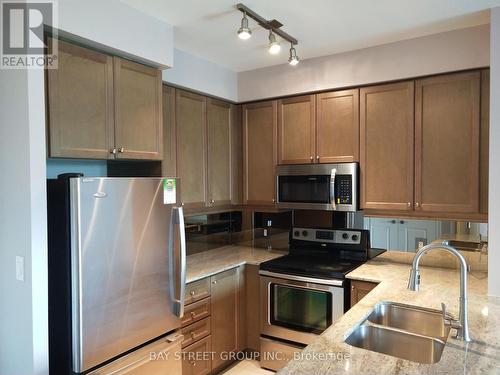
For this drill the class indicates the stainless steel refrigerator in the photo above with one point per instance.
(117, 265)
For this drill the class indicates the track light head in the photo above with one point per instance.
(274, 45)
(293, 59)
(244, 31)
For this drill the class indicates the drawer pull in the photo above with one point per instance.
(192, 292)
(193, 314)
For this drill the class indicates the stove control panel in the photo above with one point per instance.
(340, 236)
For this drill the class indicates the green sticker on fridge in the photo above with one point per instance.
(169, 191)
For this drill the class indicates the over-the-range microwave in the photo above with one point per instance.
(332, 187)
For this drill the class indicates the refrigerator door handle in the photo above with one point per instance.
(179, 221)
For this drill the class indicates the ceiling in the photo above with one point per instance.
(207, 28)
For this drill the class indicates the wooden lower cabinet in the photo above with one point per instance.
(197, 359)
(212, 322)
(359, 289)
(252, 290)
(225, 311)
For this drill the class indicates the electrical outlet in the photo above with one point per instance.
(19, 268)
(265, 232)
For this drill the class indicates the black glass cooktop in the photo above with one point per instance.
(324, 267)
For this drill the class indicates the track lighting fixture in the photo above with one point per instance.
(274, 28)
(244, 31)
(293, 59)
(274, 45)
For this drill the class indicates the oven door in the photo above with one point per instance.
(298, 310)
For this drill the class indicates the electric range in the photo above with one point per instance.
(304, 292)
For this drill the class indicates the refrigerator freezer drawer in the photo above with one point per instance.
(158, 358)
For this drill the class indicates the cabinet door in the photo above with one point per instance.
(169, 161)
(259, 153)
(359, 289)
(196, 359)
(485, 140)
(138, 110)
(386, 146)
(296, 130)
(236, 156)
(219, 152)
(337, 127)
(191, 150)
(447, 143)
(225, 311)
(80, 104)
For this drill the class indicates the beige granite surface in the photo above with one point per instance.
(210, 262)
(481, 356)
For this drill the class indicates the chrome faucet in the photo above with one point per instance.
(461, 325)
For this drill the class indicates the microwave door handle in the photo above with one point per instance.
(179, 221)
(332, 188)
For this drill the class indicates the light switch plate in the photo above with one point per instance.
(19, 268)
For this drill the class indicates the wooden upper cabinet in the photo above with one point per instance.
(138, 110)
(225, 316)
(169, 160)
(236, 155)
(337, 126)
(191, 150)
(296, 130)
(219, 152)
(259, 152)
(485, 140)
(386, 146)
(80, 104)
(447, 132)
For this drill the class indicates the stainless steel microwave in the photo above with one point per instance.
(332, 187)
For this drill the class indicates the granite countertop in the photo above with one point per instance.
(208, 263)
(329, 355)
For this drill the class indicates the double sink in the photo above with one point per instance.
(409, 332)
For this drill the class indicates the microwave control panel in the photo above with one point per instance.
(343, 189)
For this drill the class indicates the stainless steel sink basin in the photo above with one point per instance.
(409, 332)
(465, 245)
(426, 322)
(399, 344)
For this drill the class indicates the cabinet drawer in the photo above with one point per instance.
(197, 290)
(195, 332)
(196, 311)
(196, 358)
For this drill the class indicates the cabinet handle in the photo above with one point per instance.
(417, 205)
(113, 151)
(408, 204)
(214, 282)
(192, 363)
(352, 288)
(193, 314)
(192, 293)
(212, 201)
(274, 200)
(121, 150)
(317, 157)
(402, 222)
(393, 221)
(312, 158)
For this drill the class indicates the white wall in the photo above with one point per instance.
(201, 75)
(123, 29)
(23, 304)
(454, 50)
(494, 184)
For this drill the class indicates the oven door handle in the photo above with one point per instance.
(332, 188)
(334, 282)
